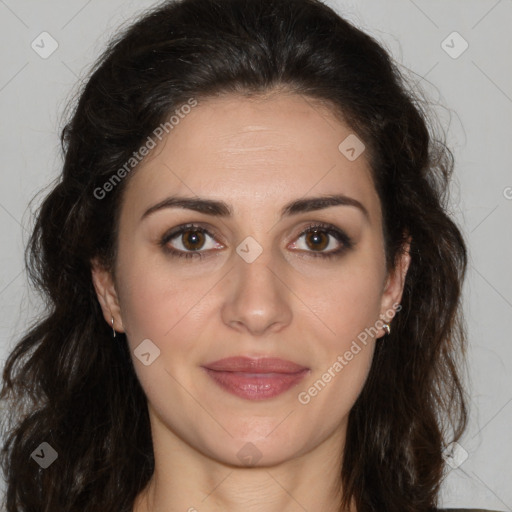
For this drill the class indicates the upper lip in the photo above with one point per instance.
(255, 365)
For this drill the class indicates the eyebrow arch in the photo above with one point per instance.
(222, 209)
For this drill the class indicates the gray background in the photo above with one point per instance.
(474, 91)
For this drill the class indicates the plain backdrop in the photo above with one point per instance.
(457, 51)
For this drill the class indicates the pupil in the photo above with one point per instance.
(192, 238)
(316, 236)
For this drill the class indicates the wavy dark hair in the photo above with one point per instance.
(68, 384)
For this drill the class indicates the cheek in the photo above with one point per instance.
(347, 300)
(349, 305)
(344, 355)
(159, 307)
(153, 297)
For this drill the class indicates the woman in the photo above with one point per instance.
(253, 286)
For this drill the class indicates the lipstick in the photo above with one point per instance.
(255, 379)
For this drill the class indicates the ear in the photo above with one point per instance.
(394, 285)
(104, 285)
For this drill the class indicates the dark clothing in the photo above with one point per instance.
(466, 510)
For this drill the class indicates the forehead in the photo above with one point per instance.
(254, 153)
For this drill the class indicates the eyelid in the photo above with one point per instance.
(345, 241)
(172, 233)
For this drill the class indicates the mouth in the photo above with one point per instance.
(255, 379)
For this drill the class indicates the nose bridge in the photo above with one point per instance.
(257, 299)
(255, 276)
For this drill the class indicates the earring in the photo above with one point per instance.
(113, 330)
(387, 328)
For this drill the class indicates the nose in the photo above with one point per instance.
(257, 299)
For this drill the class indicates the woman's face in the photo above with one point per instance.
(248, 280)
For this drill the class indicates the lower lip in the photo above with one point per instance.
(256, 386)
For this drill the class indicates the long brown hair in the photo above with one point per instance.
(69, 385)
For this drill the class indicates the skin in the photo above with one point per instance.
(256, 155)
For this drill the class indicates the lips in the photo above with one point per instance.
(249, 365)
(255, 379)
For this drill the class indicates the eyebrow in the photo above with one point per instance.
(222, 209)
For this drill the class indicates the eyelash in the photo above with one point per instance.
(329, 229)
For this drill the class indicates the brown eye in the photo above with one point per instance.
(323, 240)
(193, 240)
(317, 240)
(189, 241)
